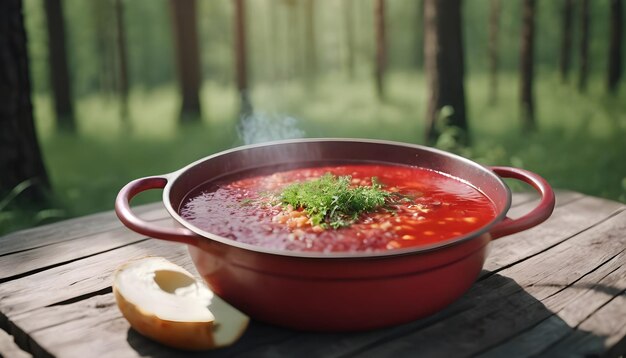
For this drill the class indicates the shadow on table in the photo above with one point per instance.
(495, 318)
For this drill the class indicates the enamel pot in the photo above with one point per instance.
(337, 291)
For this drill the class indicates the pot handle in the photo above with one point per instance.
(133, 222)
(534, 217)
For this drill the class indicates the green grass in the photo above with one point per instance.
(580, 143)
(88, 170)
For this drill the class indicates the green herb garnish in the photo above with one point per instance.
(331, 201)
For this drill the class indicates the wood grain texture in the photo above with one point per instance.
(49, 256)
(569, 218)
(72, 229)
(95, 327)
(554, 290)
(81, 277)
(609, 322)
(572, 307)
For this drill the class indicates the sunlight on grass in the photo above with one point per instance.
(580, 140)
(88, 170)
(337, 107)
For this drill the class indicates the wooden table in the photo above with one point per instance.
(558, 289)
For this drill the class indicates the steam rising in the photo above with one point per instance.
(258, 127)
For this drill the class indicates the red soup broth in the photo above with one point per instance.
(440, 207)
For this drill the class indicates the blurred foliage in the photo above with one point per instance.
(276, 39)
(579, 146)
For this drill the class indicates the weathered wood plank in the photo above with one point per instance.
(608, 324)
(567, 220)
(95, 327)
(571, 307)
(9, 349)
(45, 257)
(524, 197)
(608, 340)
(531, 342)
(86, 318)
(72, 229)
(347, 344)
(566, 262)
(522, 203)
(81, 277)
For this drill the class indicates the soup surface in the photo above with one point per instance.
(422, 207)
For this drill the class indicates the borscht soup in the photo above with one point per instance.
(347, 207)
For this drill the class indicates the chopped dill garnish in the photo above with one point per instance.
(331, 201)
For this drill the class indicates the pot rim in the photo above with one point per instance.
(173, 176)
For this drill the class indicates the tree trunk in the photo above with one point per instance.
(59, 73)
(584, 45)
(419, 35)
(348, 12)
(101, 14)
(494, 30)
(277, 62)
(381, 47)
(187, 56)
(615, 46)
(122, 60)
(20, 157)
(566, 39)
(241, 67)
(311, 43)
(444, 65)
(526, 65)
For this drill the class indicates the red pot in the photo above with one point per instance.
(337, 291)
